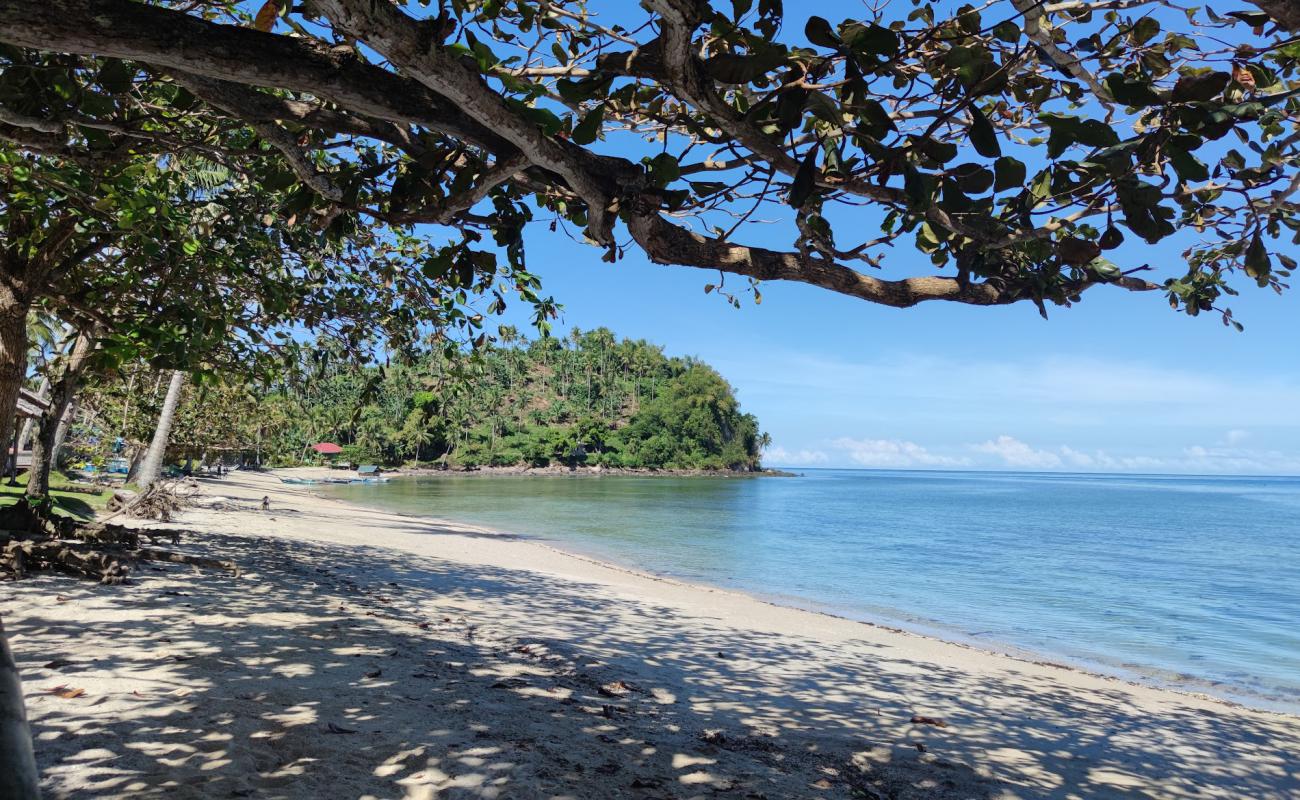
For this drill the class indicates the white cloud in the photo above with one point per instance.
(1009, 452)
(1101, 461)
(797, 458)
(1015, 453)
(894, 453)
(1226, 460)
(1235, 437)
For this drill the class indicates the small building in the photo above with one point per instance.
(327, 448)
(30, 406)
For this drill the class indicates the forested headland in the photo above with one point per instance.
(586, 399)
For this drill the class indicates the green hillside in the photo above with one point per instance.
(588, 398)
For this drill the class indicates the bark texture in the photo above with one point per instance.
(13, 363)
(18, 775)
(62, 392)
(151, 467)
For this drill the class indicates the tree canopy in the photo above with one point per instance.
(587, 398)
(1013, 143)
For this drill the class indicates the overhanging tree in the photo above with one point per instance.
(1012, 143)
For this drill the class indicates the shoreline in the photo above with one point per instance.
(550, 471)
(1140, 676)
(369, 654)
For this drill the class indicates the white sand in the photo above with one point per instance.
(373, 655)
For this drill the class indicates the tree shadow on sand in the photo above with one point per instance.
(332, 671)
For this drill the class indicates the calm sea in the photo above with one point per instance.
(1191, 581)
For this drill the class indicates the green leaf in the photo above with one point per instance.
(804, 178)
(741, 69)
(942, 152)
(585, 132)
(1104, 269)
(664, 169)
(1144, 30)
(871, 40)
(982, 135)
(115, 76)
(1257, 261)
(1009, 173)
(876, 118)
(1188, 166)
(1134, 93)
(1203, 87)
(819, 31)
(1007, 31)
(973, 178)
(918, 187)
(1041, 188)
(789, 108)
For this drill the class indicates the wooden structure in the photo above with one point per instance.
(30, 406)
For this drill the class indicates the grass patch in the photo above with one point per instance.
(78, 505)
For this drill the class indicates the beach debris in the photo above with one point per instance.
(713, 736)
(646, 783)
(510, 683)
(58, 663)
(822, 783)
(920, 748)
(721, 654)
(617, 689)
(374, 673)
(67, 692)
(332, 728)
(919, 720)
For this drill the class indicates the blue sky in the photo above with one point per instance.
(1117, 383)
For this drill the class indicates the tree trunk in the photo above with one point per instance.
(18, 778)
(13, 365)
(151, 468)
(61, 431)
(62, 392)
(18, 775)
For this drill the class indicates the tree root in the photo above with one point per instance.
(32, 538)
(21, 558)
(107, 561)
(149, 554)
(26, 518)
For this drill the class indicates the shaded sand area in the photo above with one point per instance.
(364, 654)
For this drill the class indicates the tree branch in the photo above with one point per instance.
(174, 40)
(399, 38)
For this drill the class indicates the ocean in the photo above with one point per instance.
(1189, 582)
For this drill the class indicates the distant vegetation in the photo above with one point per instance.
(584, 399)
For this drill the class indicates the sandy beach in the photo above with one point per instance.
(370, 655)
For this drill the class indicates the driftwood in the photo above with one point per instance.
(160, 501)
(22, 557)
(110, 563)
(33, 538)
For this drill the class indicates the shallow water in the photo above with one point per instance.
(1191, 581)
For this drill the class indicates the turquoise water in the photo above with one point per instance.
(1193, 581)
